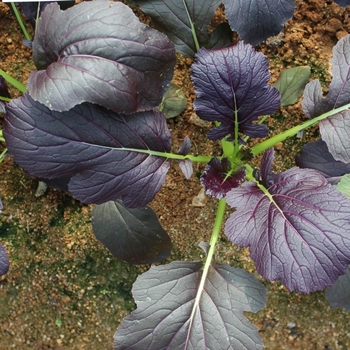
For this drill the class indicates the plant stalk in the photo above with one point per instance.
(213, 240)
(14, 82)
(20, 21)
(263, 146)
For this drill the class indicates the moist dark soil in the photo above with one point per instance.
(65, 290)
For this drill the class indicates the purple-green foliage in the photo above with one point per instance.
(90, 121)
(4, 261)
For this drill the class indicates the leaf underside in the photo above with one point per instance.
(315, 155)
(232, 88)
(87, 144)
(298, 233)
(165, 297)
(131, 234)
(99, 52)
(336, 128)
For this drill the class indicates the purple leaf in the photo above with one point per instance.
(335, 131)
(4, 92)
(4, 261)
(257, 20)
(231, 88)
(91, 145)
(186, 165)
(217, 178)
(342, 2)
(165, 298)
(315, 155)
(174, 18)
(297, 229)
(99, 52)
(133, 235)
(336, 128)
(30, 9)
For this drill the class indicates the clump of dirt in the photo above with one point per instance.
(65, 291)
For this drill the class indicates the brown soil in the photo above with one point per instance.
(65, 291)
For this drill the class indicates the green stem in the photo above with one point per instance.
(263, 146)
(6, 99)
(213, 240)
(2, 155)
(20, 21)
(193, 30)
(14, 82)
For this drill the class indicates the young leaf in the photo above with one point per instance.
(165, 297)
(107, 155)
(231, 88)
(99, 52)
(186, 164)
(179, 18)
(335, 128)
(297, 228)
(133, 235)
(4, 261)
(338, 295)
(315, 155)
(174, 102)
(218, 179)
(291, 84)
(257, 20)
(344, 185)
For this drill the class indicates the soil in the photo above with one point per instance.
(64, 290)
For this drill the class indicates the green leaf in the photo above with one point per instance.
(174, 102)
(344, 185)
(291, 84)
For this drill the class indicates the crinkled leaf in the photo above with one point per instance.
(4, 261)
(315, 155)
(342, 2)
(297, 228)
(257, 20)
(92, 145)
(344, 185)
(165, 298)
(338, 295)
(218, 179)
(336, 128)
(99, 52)
(231, 88)
(291, 84)
(174, 17)
(131, 234)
